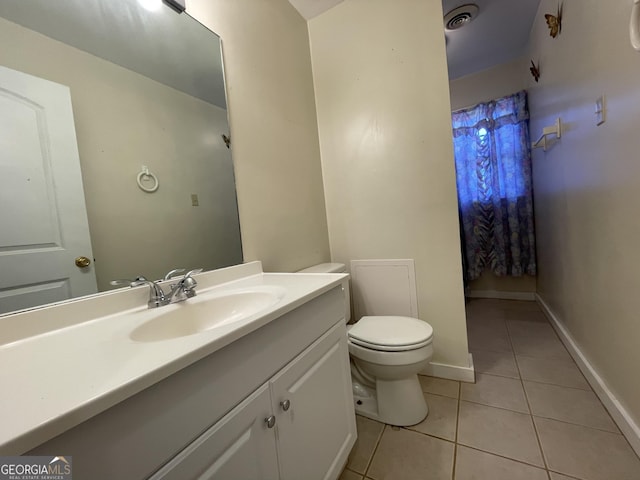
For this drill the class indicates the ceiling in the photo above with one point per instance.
(170, 48)
(498, 34)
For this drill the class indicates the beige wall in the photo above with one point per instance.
(275, 136)
(587, 186)
(489, 84)
(480, 87)
(123, 121)
(385, 133)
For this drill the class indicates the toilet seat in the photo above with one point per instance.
(391, 333)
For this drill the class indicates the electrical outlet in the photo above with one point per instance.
(194, 200)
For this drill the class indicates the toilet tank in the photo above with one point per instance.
(325, 268)
(334, 268)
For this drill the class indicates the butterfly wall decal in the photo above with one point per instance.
(554, 22)
(535, 71)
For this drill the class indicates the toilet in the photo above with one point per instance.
(386, 353)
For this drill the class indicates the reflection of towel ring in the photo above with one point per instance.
(146, 173)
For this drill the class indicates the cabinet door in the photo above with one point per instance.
(239, 446)
(317, 431)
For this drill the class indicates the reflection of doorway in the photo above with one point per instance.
(43, 219)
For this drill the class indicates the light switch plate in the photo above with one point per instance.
(194, 200)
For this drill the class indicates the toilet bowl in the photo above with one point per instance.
(386, 354)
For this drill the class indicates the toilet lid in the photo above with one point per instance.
(391, 333)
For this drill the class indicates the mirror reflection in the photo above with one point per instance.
(92, 93)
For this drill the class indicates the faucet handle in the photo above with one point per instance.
(192, 272)
(188, 283)
(172, 273)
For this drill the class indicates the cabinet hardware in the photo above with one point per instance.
(270, 421)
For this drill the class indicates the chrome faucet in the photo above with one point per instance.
(180, 291)
(157, 297)
(185, 288)
(172, 273)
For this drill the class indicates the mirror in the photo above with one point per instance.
(147, 91)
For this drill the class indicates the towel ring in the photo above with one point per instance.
(145, 173)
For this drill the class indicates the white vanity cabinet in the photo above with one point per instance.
(207, 421)
(241, 445)
(316, 431)
(302, 413)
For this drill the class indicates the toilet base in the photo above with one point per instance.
(395, 402)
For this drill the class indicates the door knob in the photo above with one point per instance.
(270, 421)
(285, 404)
(82, 262)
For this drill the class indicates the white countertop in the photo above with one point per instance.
(56, 379)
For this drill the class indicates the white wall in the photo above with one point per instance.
(385, 134)
(470, 90)
(123, 121)
(275, 135)
(489, 84)
(587, 186)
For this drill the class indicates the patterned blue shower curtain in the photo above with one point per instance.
(493, 174)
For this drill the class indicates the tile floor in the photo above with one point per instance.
(530, 415)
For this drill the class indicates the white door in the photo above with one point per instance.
(43, 218)
(241, 446)
(316, 420)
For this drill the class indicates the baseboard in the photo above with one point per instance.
(451, 372)
(531, 296)
(625, 422)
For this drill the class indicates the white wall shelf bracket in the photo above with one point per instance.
(546, 132)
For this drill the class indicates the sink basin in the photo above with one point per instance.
(204, 313)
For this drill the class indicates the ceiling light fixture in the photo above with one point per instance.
(461, 16)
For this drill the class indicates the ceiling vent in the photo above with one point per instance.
(459, 17)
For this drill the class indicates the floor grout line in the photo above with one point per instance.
(576, 424)
(502, 456)
(375, 449)
(455, 436)
(535, 427)
(440, 394)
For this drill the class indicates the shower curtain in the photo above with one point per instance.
(493, 175)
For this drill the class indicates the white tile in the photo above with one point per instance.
(495, 363)
(568, 405)
(496, 391)
(557, 476)
(586, 453)
(442, 418)
(489, 340)
(550, 370)
(503, 432)
(539, 346)
(439, 386)
(349, 475)
(475, 465)
(531, 329)
(369, 432)
(403, 454)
